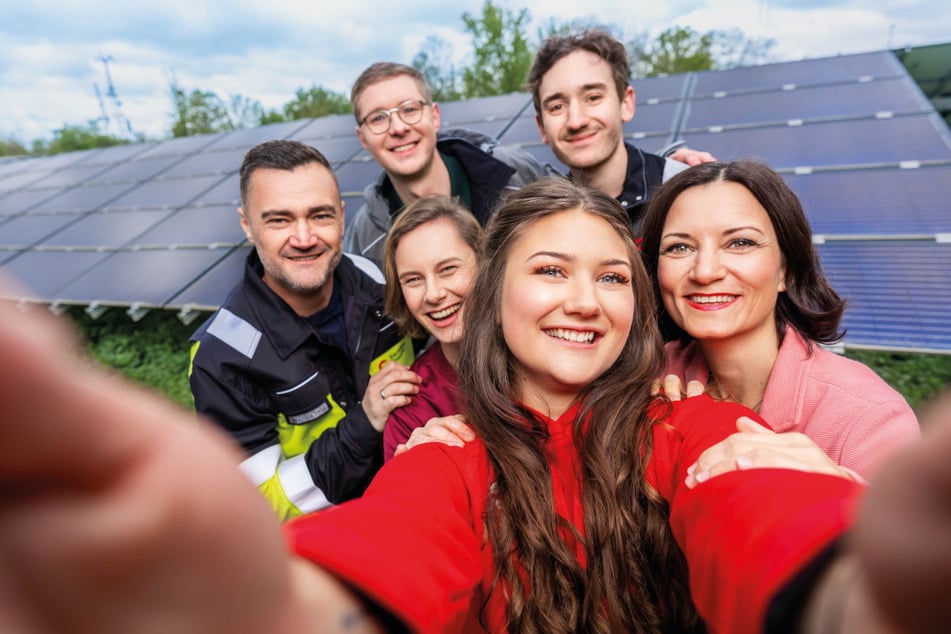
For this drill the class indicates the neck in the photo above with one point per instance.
(741, 371)
(607, 176)
(452, 351)
(432, 180)
(304, 304)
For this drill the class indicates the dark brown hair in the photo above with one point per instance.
(601, 43)
(634, 575)
(809, 304)
(418, 213)
(278, 155)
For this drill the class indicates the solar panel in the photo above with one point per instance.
(155, 223)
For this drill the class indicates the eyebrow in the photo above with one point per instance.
(584, 88)
(267, 213)
(570, 258)
(730, 231)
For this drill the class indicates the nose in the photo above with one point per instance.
(707, 266)
(397, 125)
(435, 292)
(302, 237)
(582, 299)
(577, 117)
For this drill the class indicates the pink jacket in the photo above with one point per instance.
(841, 404)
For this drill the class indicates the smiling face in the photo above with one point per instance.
(294, 219)
(435, 268)
(582, 116)
(404, 150)
(566, 306)
(720, 269)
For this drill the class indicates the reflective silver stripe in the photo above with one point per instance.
(299, 487)
(367, 266)
(260, 467)
(235, 332)
(299, 385)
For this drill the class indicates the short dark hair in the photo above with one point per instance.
(379, 71)
(809, 303)
(279, 155)
(596, 41)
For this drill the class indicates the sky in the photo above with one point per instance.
(51, 51)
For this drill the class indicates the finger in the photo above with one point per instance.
(458, 426)
(745, 424)
(673, 387)
(400, 448)
(695, 388)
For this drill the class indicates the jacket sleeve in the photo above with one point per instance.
(336, 466)
(411, 548)
(745, 534)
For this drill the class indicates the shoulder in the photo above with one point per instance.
(363, 269)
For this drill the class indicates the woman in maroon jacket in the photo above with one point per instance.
(429, 261)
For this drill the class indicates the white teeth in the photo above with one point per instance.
(403, 148)
(711, 299)
(571, 335)
(446, 312)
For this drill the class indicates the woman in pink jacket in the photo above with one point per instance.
(743, 297)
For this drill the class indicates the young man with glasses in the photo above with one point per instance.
(398, 124)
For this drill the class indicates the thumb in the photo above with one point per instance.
(748, 425)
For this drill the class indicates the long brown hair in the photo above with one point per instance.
(634, 579)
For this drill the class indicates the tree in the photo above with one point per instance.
(204, 112)
(501, 52)
(434, 61)
(317, 101)
(12, 147)
(71, 138)
(683, 50)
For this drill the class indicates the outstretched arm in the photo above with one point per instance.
(120, 513)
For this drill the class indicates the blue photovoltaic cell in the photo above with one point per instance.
(354, 176)
(853, 142)
(252, 136)
(227, 191)
(662, 88)
(898, 292)
(109, 229)
(134, 171)
(20, 201)
(502, 108)
(147, 276)
(164, 193)
(83, 198)
(808, 102)
(45, 272)
(29, 229)
(336, 125)
(117, 153)
(210, 290)
(523, 130)
(180, 146)
(653, 118)
(876, 201)
(21, 179)
(336, 149)
(811, 71)
(196, 225)
(211, 162)
(69, 176)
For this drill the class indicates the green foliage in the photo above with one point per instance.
(71, 138)
(501, 52)
(676, 50)
(917, 376)
(152, 352)
(12, 147)
(434, 61)
(204, 112)
(315, 102)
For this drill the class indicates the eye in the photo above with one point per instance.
(594, 98)
(411, 281)
(449, 269)
(614, 278)
(555, 108)
(276, 221)
(678, 248)
(409, 109)
(742, 243)
(376, 118)
(549, 271)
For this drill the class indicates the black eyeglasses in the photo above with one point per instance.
(410, 112)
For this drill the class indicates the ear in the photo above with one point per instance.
(541, 128)
(436, 116)
(363, 142)
(781, 288)
(628, 103)
(245, 226)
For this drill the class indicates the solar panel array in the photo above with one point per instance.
(153, 225)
